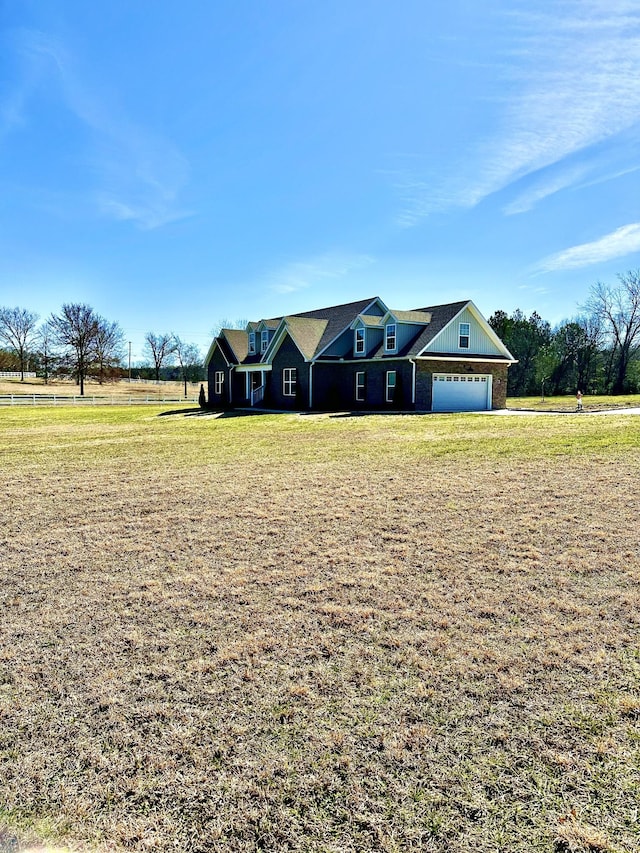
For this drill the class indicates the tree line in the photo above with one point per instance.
(598, 351)
(80, 343)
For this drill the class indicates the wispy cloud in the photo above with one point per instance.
(139, 174)
(298, 275)
(623, 241)
(571, 81)
(545, 188)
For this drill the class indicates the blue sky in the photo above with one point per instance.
(175, 164)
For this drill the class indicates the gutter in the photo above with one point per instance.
(478, 359)
(413, 381)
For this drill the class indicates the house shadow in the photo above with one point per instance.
(368, 413)
(203, 413)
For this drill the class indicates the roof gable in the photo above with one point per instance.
(444, 316)
(305, 332)
(418, 317)
(215, 344)
(271, 324)
(237, 341)
(340, 317)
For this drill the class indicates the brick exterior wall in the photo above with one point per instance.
(424, 382)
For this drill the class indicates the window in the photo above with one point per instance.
(390, 337)
(360, 386)
(289, 382)
(359, 345)
(463, 337)
(264, 340)
(219, 382)
(390, 385)
(252, 343)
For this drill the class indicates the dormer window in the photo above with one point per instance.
(463, 336)
(390, 337)
(264, 340)
(359, 342)
(252, 343)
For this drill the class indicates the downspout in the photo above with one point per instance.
(311, 385)
(413, 381)
(230, 385)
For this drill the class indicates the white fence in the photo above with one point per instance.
(87, 400)
(15, 374)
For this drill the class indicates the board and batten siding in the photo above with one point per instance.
(479, 342)
(342, 346)
(405, 333)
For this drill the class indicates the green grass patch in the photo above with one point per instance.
(142, 435)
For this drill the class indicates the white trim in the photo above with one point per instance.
(251, 348)
(462, 357)
(292, 382)
(230, 384)
(413, 381)
(311, 385)
(250, 368)
(388, 387)
(209, 355)
(277, 340)
(356, 331)
(264, 341)
(461, 335)
(218, 382)
(483, 324)
(394, 348)
(402, 321)
(362, 387)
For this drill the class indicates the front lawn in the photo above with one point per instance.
(316, 633)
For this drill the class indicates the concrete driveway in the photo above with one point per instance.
(629, 411)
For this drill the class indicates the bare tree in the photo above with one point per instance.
(75, 330)
(225, 323)
(17, 329)
(109, 348)
(45, 350)
(159, 348)
(618, 311)
(188, 357)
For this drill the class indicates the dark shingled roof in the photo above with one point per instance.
(306, 333)
(236, 341)
(312, 338)
(338, 317)
(441, 315)
(226, 350)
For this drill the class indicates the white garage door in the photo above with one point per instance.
(454, 392)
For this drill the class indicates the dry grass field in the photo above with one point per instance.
(118, 391)
(314, 633)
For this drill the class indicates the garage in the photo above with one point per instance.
(457, 392)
